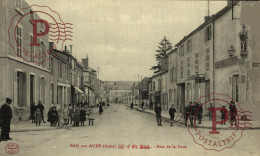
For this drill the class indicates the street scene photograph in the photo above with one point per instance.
(129, 78)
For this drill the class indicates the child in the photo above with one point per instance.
(38, 117)
(82, 116)
(91, 117)
(76, 117)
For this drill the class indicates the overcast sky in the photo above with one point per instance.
(120, 37)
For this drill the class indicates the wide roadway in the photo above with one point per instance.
(122, 126)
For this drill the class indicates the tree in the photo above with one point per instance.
(163, 48)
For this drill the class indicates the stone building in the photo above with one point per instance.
(22, 78)
(220, 56)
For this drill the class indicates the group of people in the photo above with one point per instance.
(68, 115)
(192, 112)
(37, 115)
(158, 110)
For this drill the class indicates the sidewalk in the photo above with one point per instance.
(205, 122)
(25, 126)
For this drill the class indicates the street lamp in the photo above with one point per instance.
(231, 51)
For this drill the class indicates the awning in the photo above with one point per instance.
(78, 90)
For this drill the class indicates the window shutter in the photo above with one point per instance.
(243, 78)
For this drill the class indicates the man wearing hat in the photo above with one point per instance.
(5, 119)
(233, 113)
(223, 112)
(186, 112)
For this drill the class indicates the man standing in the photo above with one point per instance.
(233, 113)
(5, 119)
(199, 114)
(192, 114)
(151, 105)
(41, 107)
(33, 110)
(186, 112)
(223, 112)
(172, 111)
(158, 111)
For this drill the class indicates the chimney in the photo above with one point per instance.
(65, 50)
(229, 2)
(85, 62)
(71, 49)
(206, 18)
(51, 45)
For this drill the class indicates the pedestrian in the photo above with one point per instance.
(233, 113)
(172, 111)
(40, 105)
(142, 105)
(38, 117)
(100, 109)
(33, 109)
(192, 114)
(132, 105)
(158, 111)
(210, 111)
(50, 118)
(223, 112)
(151, 105)
(55, 116)
(186, 113)
(65, 113)
(76, 117)
(5, 119)
(71, 112)
(199, 112)
(91, 117)
(82, 116)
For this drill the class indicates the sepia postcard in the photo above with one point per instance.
(129, 77)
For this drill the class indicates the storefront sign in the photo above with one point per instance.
(226, 62)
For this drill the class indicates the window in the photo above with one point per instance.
(19, 40)
(42, 89)
(196, 62)
(181, 69)
(68, 72)
(207, 59)
(153, 85)
(52, 66)
(188, 65)
(181, 50)
(207, 33)
(18, 4)
(59, 94)
(52, 93)
(170, 95)
(189, 45)
(31, 48)
(60, 69)
(159, 84)
(172, 74)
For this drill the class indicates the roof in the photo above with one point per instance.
(210, 20)
(159, 74)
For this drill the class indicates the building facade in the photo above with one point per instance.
(21, 78)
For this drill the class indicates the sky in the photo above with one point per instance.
(120, 37)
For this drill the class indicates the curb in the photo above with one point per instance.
(198, 126)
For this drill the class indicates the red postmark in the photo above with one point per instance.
(48, 27)
(225, 128)
(12, 148)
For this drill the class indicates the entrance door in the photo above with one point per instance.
(32, 95)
